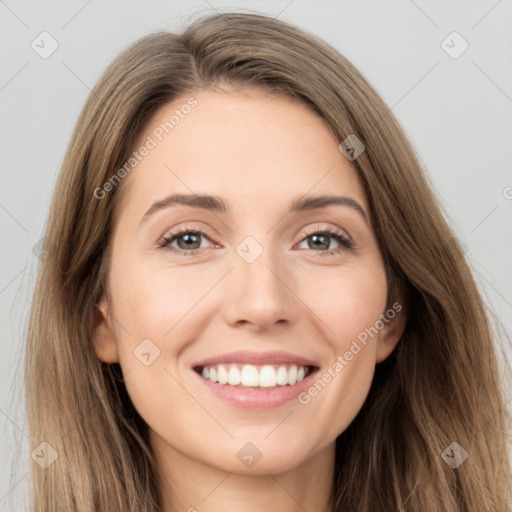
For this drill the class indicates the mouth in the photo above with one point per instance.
(247, 376)
(253, 380)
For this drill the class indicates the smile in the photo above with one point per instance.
(254, 376)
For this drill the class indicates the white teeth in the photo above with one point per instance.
(292, 375)
(267, 377)
(282, 376)
(234, 376)
(249, 375)
(222, 374)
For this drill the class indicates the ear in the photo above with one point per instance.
(390, 335)
(104, 339)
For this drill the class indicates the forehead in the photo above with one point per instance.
(249, 146)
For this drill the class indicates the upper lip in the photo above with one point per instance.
(256, 358)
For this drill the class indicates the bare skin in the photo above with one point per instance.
(258, 153)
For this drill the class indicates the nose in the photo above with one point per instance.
(260, 294)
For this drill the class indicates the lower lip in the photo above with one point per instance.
(257, 398)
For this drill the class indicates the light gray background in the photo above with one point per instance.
(457, 113)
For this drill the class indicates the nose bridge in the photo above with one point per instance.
(259, 293)
(257, 265)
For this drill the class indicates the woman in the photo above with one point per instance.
(254, 300)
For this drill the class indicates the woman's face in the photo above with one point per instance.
(264, 286)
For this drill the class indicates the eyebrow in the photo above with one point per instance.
(216, 203)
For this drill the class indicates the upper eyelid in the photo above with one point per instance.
(329, 230)
(202, 231)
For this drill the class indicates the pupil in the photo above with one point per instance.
(189, 237)
(324, 245)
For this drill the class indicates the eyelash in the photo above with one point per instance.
(345, 244)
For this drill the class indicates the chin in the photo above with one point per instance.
(259, 456)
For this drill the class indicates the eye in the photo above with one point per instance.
(188, 241)
(319, 240)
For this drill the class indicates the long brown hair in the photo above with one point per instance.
(441, 385)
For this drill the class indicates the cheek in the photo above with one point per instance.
(348, 301)
(158, 313)
(153, 302)
(349, 304)
(152, 329)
